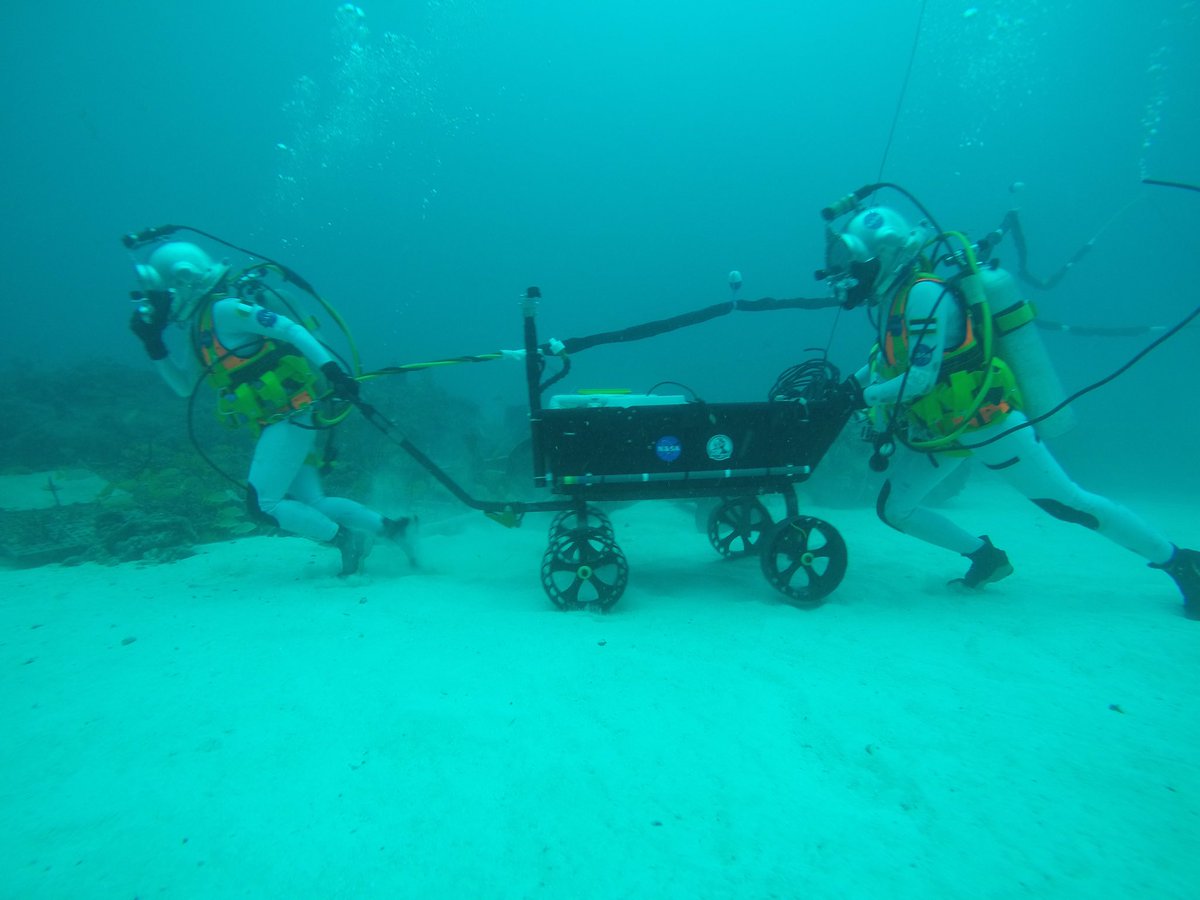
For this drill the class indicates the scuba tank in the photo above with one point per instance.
(1014, 360)
(1017, 342)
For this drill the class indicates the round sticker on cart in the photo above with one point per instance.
(667, 448)
(720, 446)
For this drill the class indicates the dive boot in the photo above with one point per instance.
(404, 532)
(1184, 569)
(353, 547)
(988, 564)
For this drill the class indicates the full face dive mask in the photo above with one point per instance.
(851, 275)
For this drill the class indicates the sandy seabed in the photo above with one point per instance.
(245, 724)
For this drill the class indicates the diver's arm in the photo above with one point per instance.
(237, 321)
(177, 366)
(151, 324)
(929, 306)
(177, 378)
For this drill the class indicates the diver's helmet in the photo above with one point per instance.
(185, 270)
(866, 259)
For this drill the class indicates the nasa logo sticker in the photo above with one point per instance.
(873, 220)
(667, 448)
(720, 446)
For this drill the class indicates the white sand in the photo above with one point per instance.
(244, 724)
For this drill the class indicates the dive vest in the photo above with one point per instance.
(954, 405)
(256, 385)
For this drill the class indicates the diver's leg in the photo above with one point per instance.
(278, 460)
(352, 514)
(1027, 464)
(342, 510)
(915, 476)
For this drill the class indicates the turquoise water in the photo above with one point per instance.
(423, 162)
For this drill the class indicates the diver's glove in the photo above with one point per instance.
(850, 394)
(149, 321)
(344, 387)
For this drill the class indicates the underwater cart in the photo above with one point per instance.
(593, 447)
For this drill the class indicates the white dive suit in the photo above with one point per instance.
(937, 321)
(283, 479)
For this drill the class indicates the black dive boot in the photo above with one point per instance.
(353, 546)
(988, 564)
(404, 532)
(1184, 569)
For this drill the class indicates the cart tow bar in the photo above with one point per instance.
(506, 514)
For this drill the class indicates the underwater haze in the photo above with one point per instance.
(423, 162)
(195, 706)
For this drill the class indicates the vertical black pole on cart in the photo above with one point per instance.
(532, 380)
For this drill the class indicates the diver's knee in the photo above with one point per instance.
(257, 511)
(1066, 513)
(888, 513)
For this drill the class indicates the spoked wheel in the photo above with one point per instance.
(573, 519)
(805, 559)
(584, 568)
(736, 527)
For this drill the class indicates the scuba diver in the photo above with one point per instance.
(270, 372)
(936, 392)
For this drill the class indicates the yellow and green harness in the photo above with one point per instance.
(255, 388)
(972, 390)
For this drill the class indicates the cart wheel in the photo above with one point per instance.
(805, 559)
(570, 520)
(736, 527)
(584, 568)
